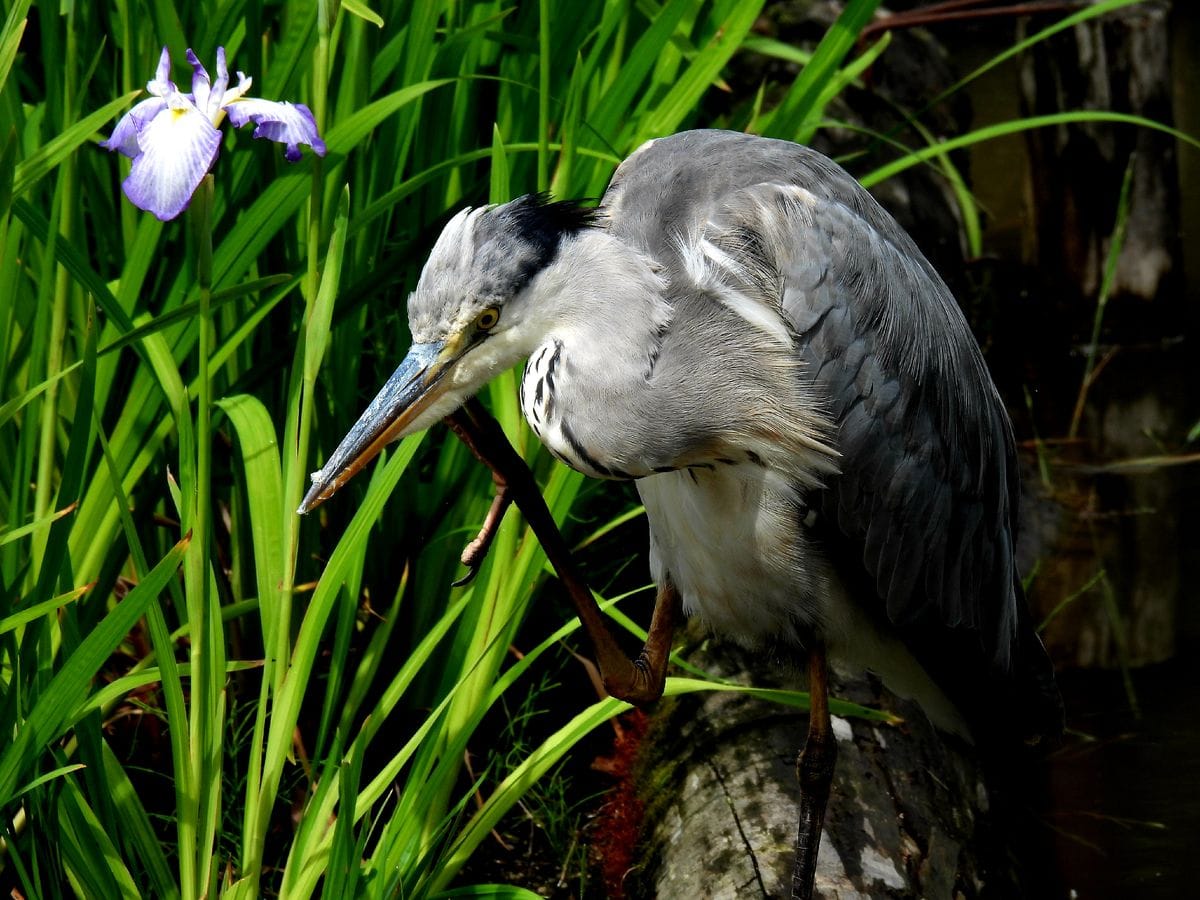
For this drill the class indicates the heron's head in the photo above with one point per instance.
(473, 315)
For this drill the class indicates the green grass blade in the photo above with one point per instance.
(92, 861)
(489, 891)
(10, 37)
(260, 461)
(517, 783)
(916, 157)
(681, 101)
(37, 610)
(801, 103)
(1091, 11)
(46, 778)
(288, 701)
(611, 111)
(364, 12)
(796, 699)
(7, 535)
(138, 829)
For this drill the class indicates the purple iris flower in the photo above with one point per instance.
(173, 140)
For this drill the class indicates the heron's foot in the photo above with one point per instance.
(638, 682)
(476, 551)
(472, 571)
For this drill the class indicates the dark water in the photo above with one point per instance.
(1124, 819)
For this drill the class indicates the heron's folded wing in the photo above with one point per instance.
(928, 484)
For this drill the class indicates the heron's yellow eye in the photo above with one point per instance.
(487, 319)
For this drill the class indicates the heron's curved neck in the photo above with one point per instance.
(601, 293)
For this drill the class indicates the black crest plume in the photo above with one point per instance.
(522, 237)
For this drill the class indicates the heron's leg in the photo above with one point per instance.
(815, 770)
(637, 681)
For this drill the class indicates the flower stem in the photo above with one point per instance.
(197, 822)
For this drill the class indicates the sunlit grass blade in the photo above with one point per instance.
(795, 699)
(311, 840)
(93, 863)
(610, 111)
(514, 786)
(45, 608)
(46, 778)
(1000, 129)
(1091, 11)
(7, 535)
(260, 461)
(802, 102)
(288, 700)
(10, 37)
(138, 829)
(189, 310)
(680, 102)
(488, 891)
(364, 12)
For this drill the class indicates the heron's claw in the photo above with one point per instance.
(472, 571)
(475, 552)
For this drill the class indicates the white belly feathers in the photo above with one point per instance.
(730, 539)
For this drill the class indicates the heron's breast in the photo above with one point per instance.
(541, 405)
(732, 541)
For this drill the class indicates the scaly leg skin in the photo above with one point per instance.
(815, 770)
(637, 681)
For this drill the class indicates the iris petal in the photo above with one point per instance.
(243, 85)
(287, 123)
(125, 136)
(201, 86)
(217, 99)
(162, 83)
(178, 147)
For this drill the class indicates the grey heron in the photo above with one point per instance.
(823, 457)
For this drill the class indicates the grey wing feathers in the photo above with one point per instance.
(929, 477)
(928, 483)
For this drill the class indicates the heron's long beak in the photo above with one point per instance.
(415, 385)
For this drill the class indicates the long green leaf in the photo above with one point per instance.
(681, 101)
(89, 854)
(916, 157)
(10, 37)
(260, 462)
(513, 787)
(37, 610)
(138, 829)
(364, 12)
